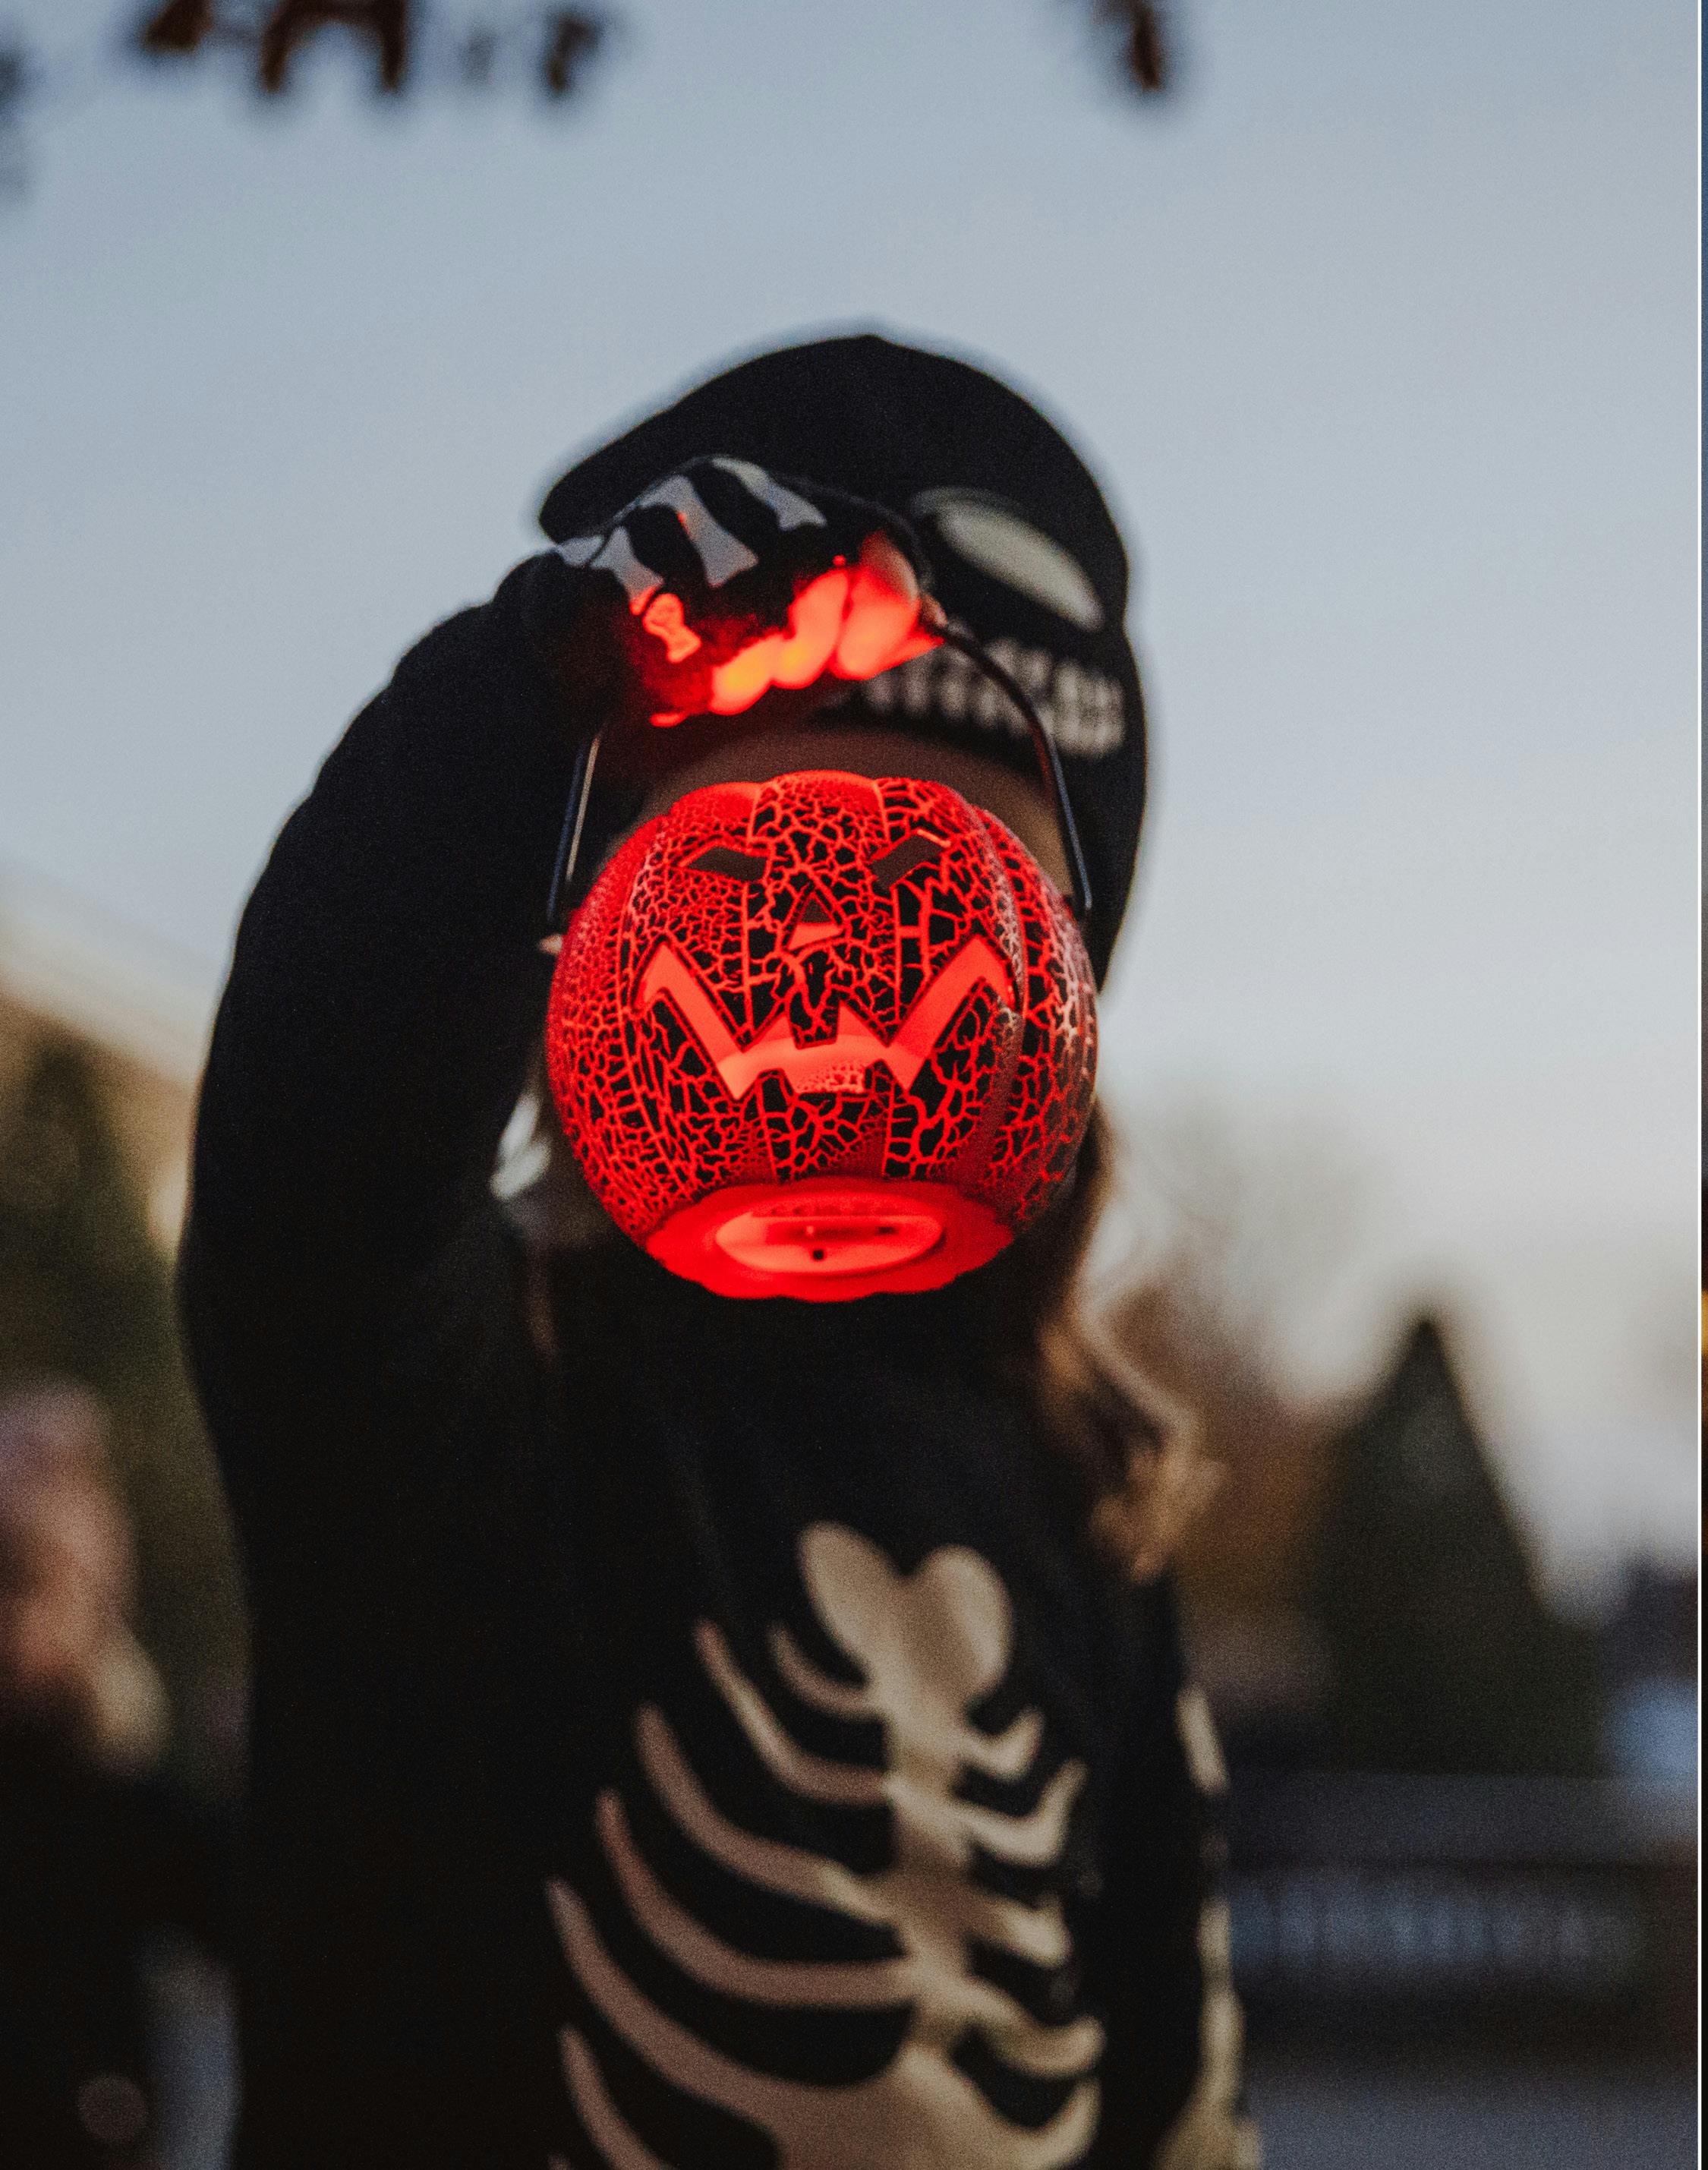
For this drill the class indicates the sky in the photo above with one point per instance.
(1381, 335)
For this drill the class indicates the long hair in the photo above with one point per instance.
(1133, 1448)
(1130, 1449)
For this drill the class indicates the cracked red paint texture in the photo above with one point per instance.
(822, 975)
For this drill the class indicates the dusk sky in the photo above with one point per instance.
(1381, 335)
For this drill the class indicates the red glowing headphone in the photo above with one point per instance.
(826, 1035)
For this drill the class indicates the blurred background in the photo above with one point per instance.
(1379, 326)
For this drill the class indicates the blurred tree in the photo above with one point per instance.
(571, 42)
(564, 39)
(1143, 45)
(1246, 1231)
(409, 44)
(1245, 1228)
(1443, 1656)
(384, 24)
(1359, 1591)
(181, 26)
(85, 1296)
(17, 83)
(1251, 1554)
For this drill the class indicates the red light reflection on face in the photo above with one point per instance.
(823, 1036)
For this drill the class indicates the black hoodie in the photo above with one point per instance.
(715, 1743)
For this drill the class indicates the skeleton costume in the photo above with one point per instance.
(700, 1733)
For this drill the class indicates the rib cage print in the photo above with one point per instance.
(930, 1647)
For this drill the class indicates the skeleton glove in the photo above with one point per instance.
(722, 581)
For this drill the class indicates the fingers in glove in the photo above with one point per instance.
(850, 624)
(735, 580)
(816, 618)
(793, 658)
(881, 623)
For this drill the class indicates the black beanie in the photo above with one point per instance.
(1022, 547)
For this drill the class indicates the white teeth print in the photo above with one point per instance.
(791, 510)
(929, 1647)
(1082, 710)
(721, 554)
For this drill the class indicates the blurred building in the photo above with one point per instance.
(1648, 1651)
(65, 974)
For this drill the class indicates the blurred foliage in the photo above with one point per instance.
(407, 45)
(1252, 1228)
(1144, 45)
(1360, 1593)
(1251, 1552)
(85, 1296)
(17, 86)
(403, 41)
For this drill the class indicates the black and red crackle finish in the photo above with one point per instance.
(825, 979)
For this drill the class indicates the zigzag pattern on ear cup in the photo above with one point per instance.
(823, 1036)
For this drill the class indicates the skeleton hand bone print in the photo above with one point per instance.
(733, 580)
(931, 1646)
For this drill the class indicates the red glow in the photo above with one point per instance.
(827, 1003)
(852, 624)
(826, 1241)
(826, 1066)
(663, 618)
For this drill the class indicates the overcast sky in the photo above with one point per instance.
(1382, 337)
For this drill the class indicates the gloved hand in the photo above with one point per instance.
(722, 581)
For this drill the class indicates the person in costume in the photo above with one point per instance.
(692, 1729)
(103, 1852)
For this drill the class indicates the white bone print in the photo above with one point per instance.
(791, 508)
(723, 555)
(931, 1646)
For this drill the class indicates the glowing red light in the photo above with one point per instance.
(826, 1241)
(822, 1036)
(663, 618)
(851, 622)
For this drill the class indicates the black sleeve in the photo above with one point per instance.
(1157, 1956)
(172, 1853)
(386, 992)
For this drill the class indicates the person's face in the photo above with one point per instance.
(64, 1584)
(862, 750)
(64, 1555)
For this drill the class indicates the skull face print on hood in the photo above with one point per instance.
(1024, 555)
